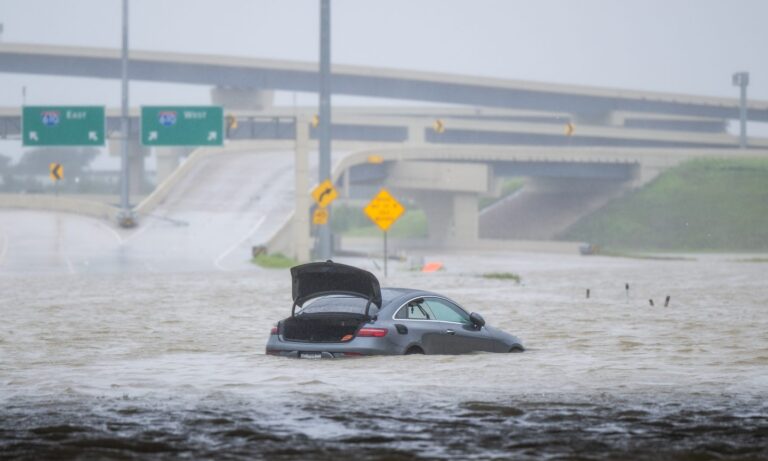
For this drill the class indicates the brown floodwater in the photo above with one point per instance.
(171, 365)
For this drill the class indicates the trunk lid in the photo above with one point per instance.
(324, 278)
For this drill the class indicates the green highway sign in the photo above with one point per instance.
(182, 126)
(62, 126)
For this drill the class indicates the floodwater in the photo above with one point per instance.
(171, 365)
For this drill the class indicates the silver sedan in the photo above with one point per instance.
(341, 311)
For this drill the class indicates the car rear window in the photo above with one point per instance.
(338, 304)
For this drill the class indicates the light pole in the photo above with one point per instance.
(741, 79)
(125, 218)
(324, 136)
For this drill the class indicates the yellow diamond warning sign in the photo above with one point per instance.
(384, 210)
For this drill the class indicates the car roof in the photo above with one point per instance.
(396, 296)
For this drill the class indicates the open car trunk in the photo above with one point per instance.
(321, 328)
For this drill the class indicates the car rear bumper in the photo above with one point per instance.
(354, 348)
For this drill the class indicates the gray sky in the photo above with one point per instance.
(688, 46)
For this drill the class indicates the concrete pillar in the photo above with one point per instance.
(242, 98)
(136, 169)
(465, 218)
(167, 161)
(301, 235)
(416, 133)
(452, 217)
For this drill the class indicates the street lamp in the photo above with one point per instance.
(741, 79)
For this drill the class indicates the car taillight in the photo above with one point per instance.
(372, 332)
(273, 331)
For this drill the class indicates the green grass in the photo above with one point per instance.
(701, 205)
(752, 260)
(511, 276)
(274, 261)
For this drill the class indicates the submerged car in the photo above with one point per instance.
(341, 311)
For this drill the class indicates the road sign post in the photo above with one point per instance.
(62, 126)
(323, 194)
(384, 210)
(57, 174)
(182, 126)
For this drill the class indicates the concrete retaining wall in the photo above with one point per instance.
(59, 203)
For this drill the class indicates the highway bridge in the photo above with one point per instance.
(585, 103)
(493, 129)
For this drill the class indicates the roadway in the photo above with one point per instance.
(225, 204)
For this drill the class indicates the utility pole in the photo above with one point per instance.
(125, 218)
(324, 167)
(741, 79)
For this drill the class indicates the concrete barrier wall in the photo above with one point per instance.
(59, 203)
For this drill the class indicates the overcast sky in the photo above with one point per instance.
(688, 46)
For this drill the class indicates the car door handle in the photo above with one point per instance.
(450, 332)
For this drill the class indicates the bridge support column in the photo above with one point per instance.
(416, 133)
(168, 161)
(452, 217)
(448, 192)
(242, 98)
(301, 235)
(136, 170)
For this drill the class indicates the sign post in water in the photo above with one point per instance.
(384, 210)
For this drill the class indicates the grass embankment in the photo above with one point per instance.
(274, 261)
(701, 205)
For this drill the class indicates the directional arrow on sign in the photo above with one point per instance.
(325, 193)
(92, 136)
(33, 136)
(57, 171)
(185, 125)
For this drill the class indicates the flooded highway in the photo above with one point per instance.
(171, 365)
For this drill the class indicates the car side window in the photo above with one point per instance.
(415, 311)
(447, 312)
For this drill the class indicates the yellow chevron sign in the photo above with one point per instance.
(57, 171)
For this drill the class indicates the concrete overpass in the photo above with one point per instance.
(623, 137)
(239, 78)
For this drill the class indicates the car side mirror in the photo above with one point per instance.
(477, 319)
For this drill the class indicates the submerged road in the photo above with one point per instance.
(102, 358)
(172, 366)
(227, 203)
